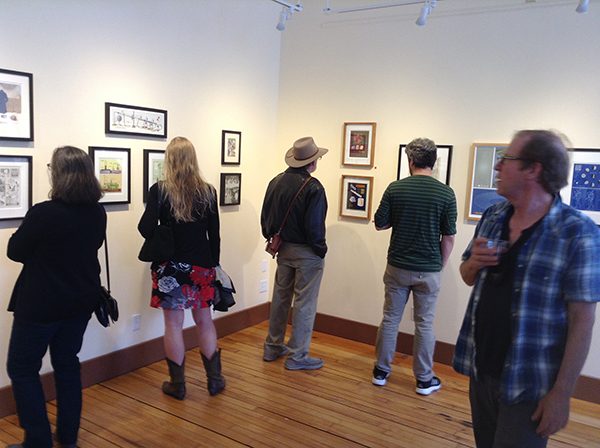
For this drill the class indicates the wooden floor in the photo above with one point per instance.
(265, 405)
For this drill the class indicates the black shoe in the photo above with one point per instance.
(427, 387)
(379, 376)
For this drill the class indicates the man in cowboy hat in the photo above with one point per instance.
(295, 207)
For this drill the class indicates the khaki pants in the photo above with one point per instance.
(297, 281)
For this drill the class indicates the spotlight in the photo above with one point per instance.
(583, 6)
(428, 6)
(283, 17)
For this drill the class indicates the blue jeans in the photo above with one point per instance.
(29, 342)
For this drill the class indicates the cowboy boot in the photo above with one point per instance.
(215, 382)
(176, 386)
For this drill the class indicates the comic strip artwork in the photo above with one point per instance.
(15, 186)
(135, 120)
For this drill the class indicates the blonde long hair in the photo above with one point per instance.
(183, 185)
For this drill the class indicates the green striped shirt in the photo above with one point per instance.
(419, 209)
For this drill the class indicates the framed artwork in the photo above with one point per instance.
(15, 186)
(120, 119)
(154, 160)
(583, 190)
(482, 186)
(441, 169)
(112, 167)
(16, 105)
(231, 147)
(359, 144)
(355, 197)
(231, 189)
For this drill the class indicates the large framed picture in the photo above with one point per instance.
(16, 105)
(441, 169)
(154, 161)
(482, 186)
(113, 169)
(231, 189)
(15, 186)
(355, 197)
(231, 147)
(583, 190)
(121, 119)
(359, 144)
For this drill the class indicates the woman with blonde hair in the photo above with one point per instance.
(187, 203)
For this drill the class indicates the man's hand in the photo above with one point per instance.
(552, 413)
(481, 257)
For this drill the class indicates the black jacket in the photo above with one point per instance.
(306, 223)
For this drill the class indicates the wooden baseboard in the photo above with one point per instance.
(587, 388)
(117, 363)
(128, 359)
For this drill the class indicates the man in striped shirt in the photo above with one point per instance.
(421, 211)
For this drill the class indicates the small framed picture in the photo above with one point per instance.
(112, 168)
(583, 190)
(154, 160)
(231, 189)
(15, 186)
(355, 197)
(441, 169)
(482, 189)
(16, 105)
(231, 147)
(359, 144)
(121, 119)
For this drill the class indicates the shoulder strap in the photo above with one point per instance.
(287, 214)
(106, 258)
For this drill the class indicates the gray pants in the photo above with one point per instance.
(498, 425)
(425, 287)
(298, 278)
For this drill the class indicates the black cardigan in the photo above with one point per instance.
(197, 243)
(58, 245)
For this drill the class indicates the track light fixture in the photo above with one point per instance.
(583, 6)
(286, 12)
(425, 11)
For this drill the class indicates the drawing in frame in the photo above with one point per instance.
(154, 161)
(231, 189)
(121, 119)
(112, 167)
(15, 186)
(16, 105)
(356, 197)
(441, 169)
(583, 189)
(482, 185)
(359, 144)
(231, 147)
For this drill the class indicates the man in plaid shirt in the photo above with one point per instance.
(535, 266)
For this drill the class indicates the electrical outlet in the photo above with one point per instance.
(136, 322)
(263, 286)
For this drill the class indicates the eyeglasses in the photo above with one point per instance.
(505, 157)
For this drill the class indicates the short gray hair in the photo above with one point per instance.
(422, 152)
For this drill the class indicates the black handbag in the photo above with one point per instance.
(224, 290)
(108, 308)
(161, 245)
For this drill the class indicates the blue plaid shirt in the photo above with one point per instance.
(559, 263)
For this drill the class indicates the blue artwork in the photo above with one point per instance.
(585, 188)
(482, 199)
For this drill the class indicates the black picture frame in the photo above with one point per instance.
(150, 174)
(123, 119)
(231, 147)
(15, 186)
(16, 105)
(112, 167)
(230, 192)
(441, 168)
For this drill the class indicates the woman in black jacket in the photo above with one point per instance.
(188, 204)
(55, 295)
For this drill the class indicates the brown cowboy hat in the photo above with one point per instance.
(304, 151)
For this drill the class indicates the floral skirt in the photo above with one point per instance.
(179, 286)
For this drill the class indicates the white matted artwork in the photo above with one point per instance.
(441, 169)
(583, 190)
(112, 168)
(16, 105)
(359, 144)
(15, 186)
(355, 197)
(154, 161)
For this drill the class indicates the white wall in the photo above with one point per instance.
(476, 73)
(212, 64)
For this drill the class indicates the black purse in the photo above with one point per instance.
(161, 246)
(108, 308)
(224, 290)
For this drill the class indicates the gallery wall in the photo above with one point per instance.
(212, 65)
(477, 72)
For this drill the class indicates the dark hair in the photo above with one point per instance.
(72, 177)
(422, 152)
(547, 148)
